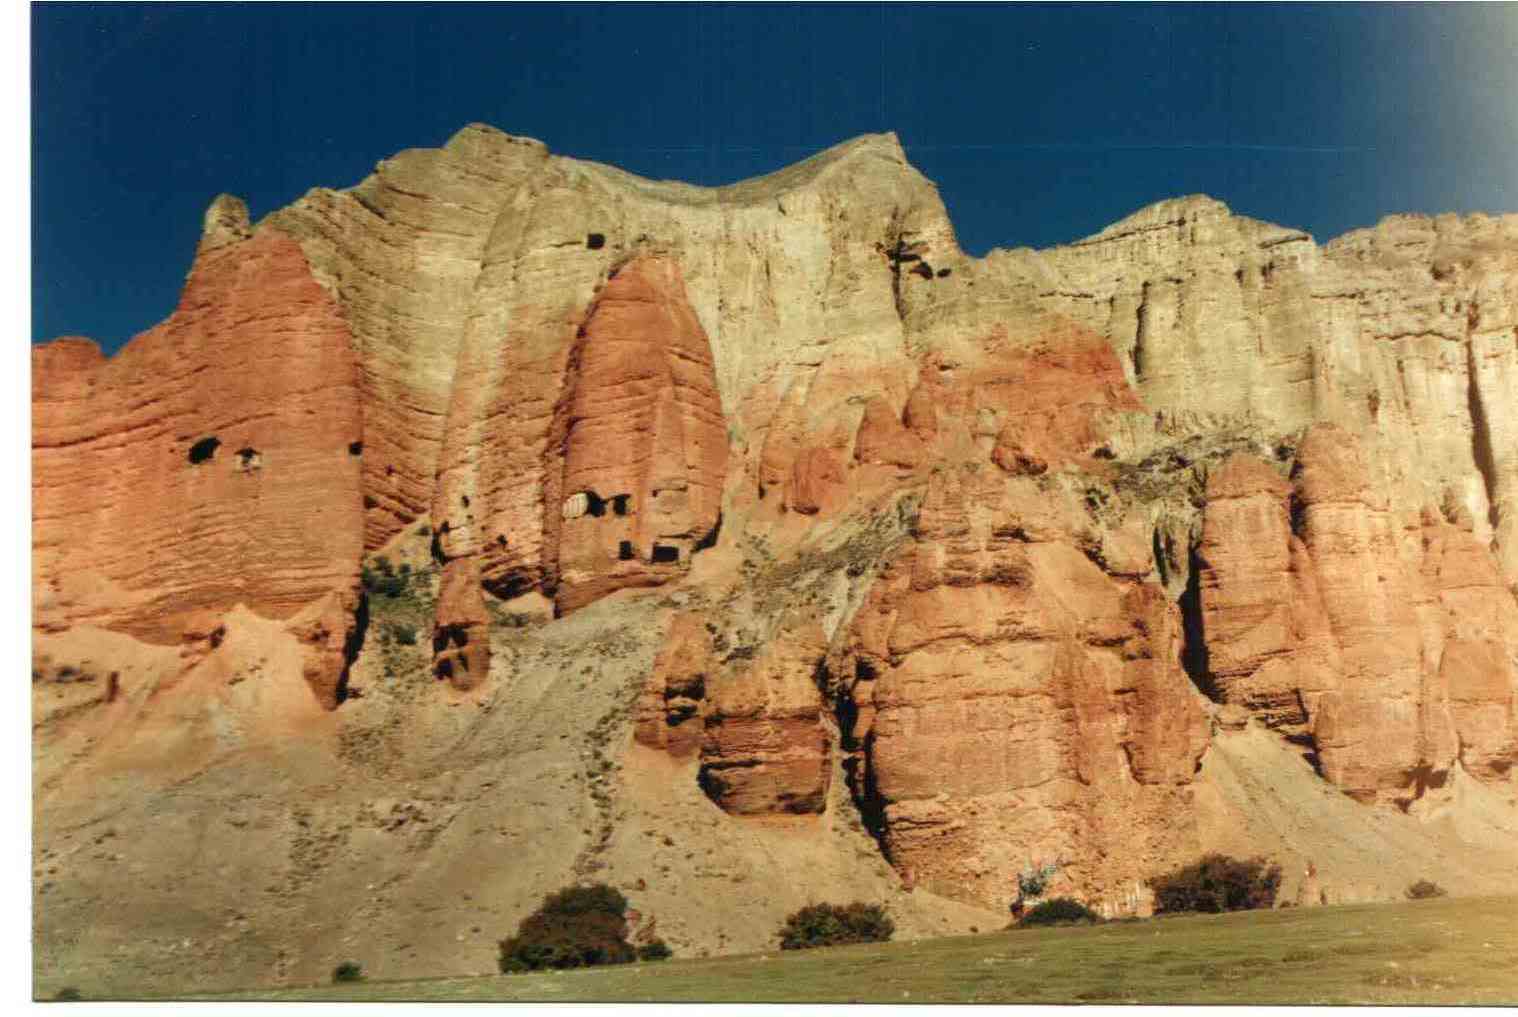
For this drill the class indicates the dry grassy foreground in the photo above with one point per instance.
(1428, 952)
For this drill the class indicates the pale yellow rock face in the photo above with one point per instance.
(764, 516)
(1403, 334)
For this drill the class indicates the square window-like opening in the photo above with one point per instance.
(625, 551)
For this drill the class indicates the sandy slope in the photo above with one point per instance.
(410, 830)
(1257, 796)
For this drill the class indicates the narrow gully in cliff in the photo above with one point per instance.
(857, 761)
(353, 645)
(1481, 433)
(1140, 328)
(1194, 656)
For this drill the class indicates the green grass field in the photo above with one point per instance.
(1438, 951)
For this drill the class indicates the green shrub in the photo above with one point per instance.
(1059, 911)
(1217, 883)
(835, 925)
(1034, 880)
(67, 994)
(348, 971)
(1424, 889)
(580, 926)
(656, 950)
(402, 635)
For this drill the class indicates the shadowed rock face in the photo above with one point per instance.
(1004, 541)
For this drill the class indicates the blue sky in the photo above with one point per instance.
(1040, 124)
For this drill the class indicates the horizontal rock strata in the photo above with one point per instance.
(1001, 540)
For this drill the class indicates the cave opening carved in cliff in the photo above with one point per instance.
(203, 450)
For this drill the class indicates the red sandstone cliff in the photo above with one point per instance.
(1007, 543)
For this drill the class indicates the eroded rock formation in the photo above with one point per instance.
(638, 449)
(1381, 642)
(213, 461)
(1006, 541)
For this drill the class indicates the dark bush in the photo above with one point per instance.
(384, 580)
(835, 925)
(1424, 889)
(655, 951)
(1059, 911)
(1217, 883)
(403, 635)
(348, 971)
(580, 926)
(67, 994)
(581, 900)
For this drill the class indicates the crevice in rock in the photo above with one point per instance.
(444, 635)
(507, 587)
(1309, 745)
(859, 775)
(1481, 436)
(897, 252)
(711, 785)
(1194, 656)
(353, 645)
(1164, 548)
(1141, 326)
(1305, 738)
(859, 771)
(358, 195)
(1297, 515)
(1419, 780)
(710, 539)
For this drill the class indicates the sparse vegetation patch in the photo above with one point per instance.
(1217, 883)
(836, 925)
(1060, 911)
(348, 971)
(580, 926)
(1425, 889)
